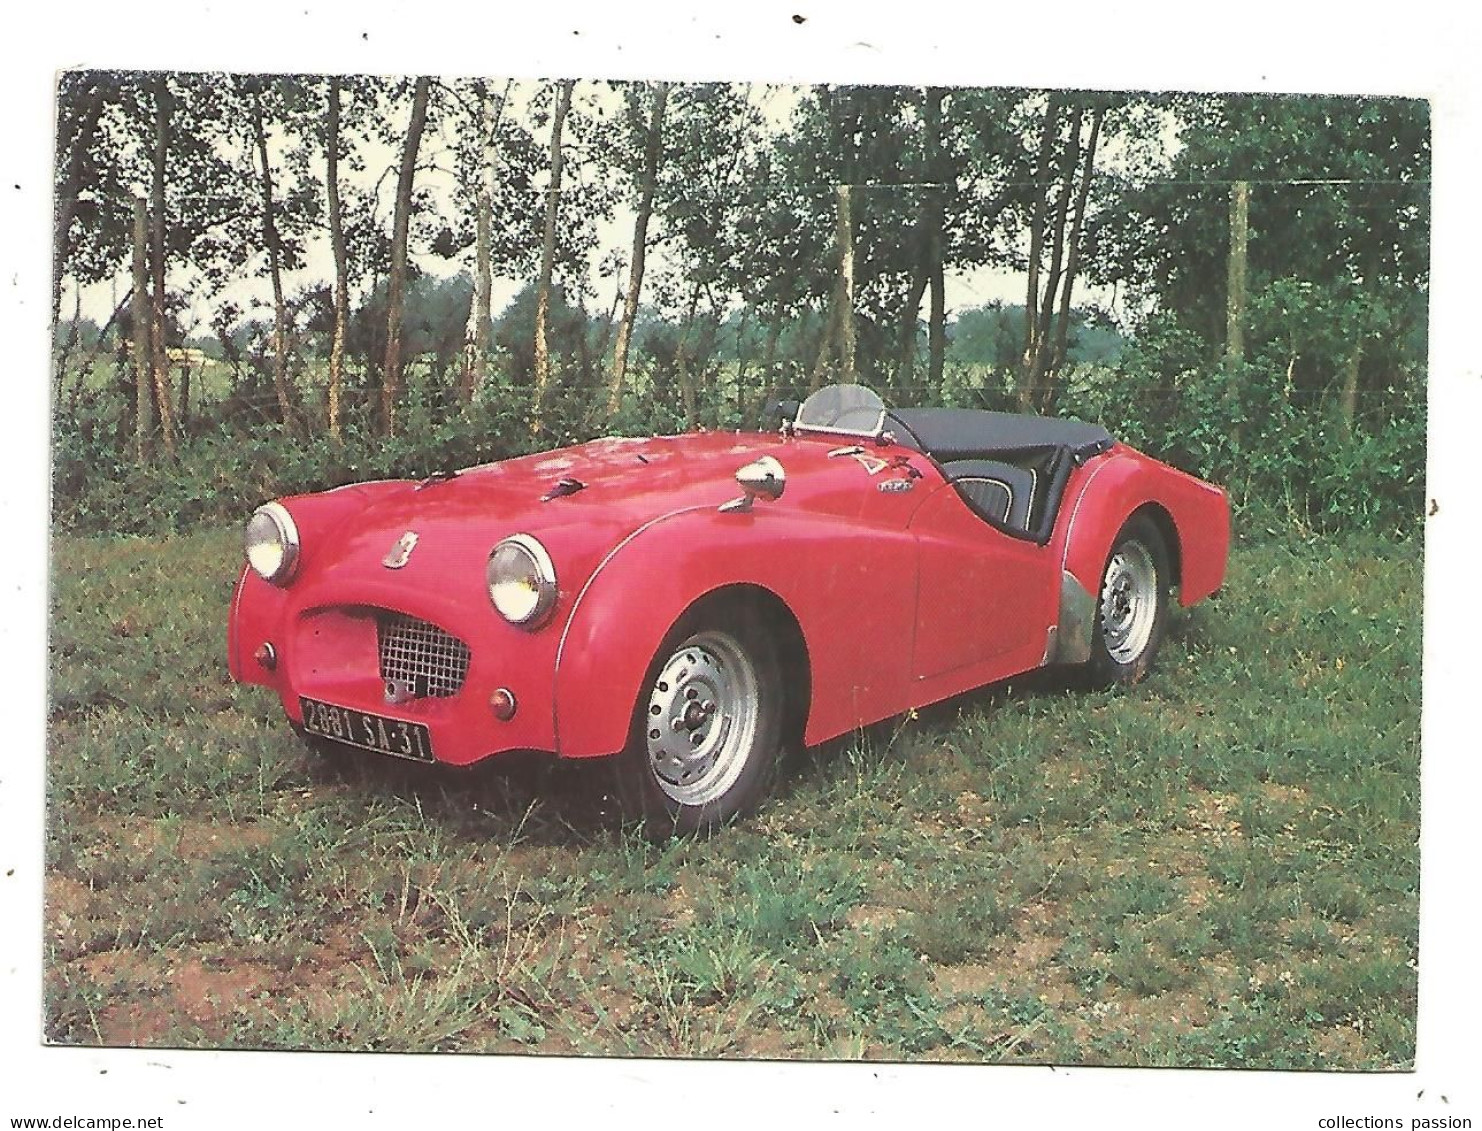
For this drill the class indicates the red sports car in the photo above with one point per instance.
(622, 598)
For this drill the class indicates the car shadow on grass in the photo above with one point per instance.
(530, 798)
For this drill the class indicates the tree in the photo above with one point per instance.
(396, 278)
(158, 267)
(651, 130)
(1062, 177)
(286, 212)
(332, 150)
(548, 252)
(1338, 213)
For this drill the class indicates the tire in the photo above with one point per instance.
(715, 686)
(1131, 605)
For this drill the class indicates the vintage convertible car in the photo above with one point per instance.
(620, 598)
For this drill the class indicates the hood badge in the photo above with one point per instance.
(401, 553)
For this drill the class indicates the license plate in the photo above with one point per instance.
(395, 737)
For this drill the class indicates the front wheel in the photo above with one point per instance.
(1132, 608)
(707, 728)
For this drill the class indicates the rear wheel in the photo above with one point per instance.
(1132, 607)
(707, 727)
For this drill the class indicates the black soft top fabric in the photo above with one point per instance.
(972, 433)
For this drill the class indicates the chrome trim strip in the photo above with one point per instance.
(825, 430)
(1076, 510)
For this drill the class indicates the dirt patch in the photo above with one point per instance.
(968, 980)
(1284, 794)
(872, 916)
(1342, 1046)
(1210, 814)
(183, 838)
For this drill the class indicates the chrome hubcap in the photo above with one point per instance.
(1129, 602)
(702, 718)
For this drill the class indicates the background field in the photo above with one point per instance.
(1218, 867)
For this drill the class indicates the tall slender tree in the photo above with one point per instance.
(647, 184)
(251, 90)
(158, 357)
(336, 220)
(397, 274)
(548, 253)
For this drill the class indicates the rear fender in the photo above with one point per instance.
(851, 590)
(1193, 516)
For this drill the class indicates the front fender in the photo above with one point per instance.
(850, 587)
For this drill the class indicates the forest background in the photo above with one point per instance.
(267, 284)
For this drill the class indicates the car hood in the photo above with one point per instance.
(625, 483)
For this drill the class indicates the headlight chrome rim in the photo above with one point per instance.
(287, 542)
(539, 577)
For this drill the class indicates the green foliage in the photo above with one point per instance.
(1286, 464)
(1320, 427)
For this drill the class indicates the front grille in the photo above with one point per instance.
(420, 659)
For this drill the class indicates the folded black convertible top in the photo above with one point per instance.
(948, 434)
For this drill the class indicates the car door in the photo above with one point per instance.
(985, 599)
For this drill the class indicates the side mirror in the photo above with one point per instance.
(763, 478)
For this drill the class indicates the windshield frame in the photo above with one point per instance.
(876, 433)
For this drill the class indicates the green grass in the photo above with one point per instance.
(1218, 867)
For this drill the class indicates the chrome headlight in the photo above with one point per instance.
(522, 581)
(272, 543)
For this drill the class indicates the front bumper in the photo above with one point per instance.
(329, 648)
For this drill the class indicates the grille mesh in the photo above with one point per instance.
(421, 656)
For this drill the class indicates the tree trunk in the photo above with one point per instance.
(1348, 398)
(905, 362)
(185, 398)
(743, 360)
(140, 344)
(926, 236)
(682, 374)
(66, 207)
(275, 262)
(476, 364)
(396, 282)
(548, 256)
(64, 357)
(936, 333)
(160, 365)
(844, 310)
(1235, 299)
(769, 360)
(1235, 271)
(653, 150)
(1044, 327)
(476, 369)
(341, 259)
(1049, 391)
(1036, 244)
(827, 339)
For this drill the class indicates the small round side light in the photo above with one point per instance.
(266, 656)
(503, 704)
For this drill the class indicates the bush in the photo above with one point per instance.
(1287, 460)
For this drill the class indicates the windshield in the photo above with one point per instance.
(853, 410)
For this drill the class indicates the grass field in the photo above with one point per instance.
(1216, 868)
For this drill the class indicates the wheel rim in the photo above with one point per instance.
(1129, 602)
(702, 718)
